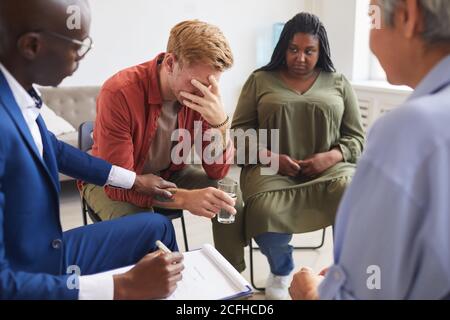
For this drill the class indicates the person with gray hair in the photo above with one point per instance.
(391, 234)
(436, 15)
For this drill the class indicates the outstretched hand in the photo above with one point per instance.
(153, 185)
(304, 285)
(208, 202)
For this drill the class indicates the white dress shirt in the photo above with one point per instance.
(91, 287)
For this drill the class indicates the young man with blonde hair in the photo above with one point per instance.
(139, 109)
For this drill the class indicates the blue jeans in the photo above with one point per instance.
(275, 246)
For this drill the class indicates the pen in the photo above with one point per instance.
(162, 247)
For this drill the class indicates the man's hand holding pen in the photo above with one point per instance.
(154, 277)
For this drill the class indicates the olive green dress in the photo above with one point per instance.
(324, 117)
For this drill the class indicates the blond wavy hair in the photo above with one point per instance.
(195, 41)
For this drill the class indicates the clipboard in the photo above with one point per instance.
(207, 276)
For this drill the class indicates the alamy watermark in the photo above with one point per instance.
(73, 22)
(375, 16)
(251, 147)
(73, 281)
(373, 282)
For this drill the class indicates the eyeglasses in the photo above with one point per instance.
(85, 46)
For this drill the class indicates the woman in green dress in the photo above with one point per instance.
(320, 139)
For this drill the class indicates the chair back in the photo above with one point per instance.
(85, 139)
(85, 142)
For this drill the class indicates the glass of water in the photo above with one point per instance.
(230, 187)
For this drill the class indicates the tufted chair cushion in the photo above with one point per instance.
(75, 104)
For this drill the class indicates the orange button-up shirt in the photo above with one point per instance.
(128, 108)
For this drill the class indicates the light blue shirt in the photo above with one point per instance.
(392, 234)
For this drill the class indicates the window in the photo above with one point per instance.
(363, 56)
(376, 72)
(267, 43)
(277, 29)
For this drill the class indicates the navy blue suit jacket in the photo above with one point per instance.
(31, 247)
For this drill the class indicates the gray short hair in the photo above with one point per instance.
(436, 14)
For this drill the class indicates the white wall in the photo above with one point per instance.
(129, 32)
(338, 16)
